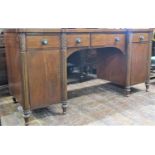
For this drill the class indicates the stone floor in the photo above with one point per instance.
(94, 102)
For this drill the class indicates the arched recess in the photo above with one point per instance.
(73, 50)
(110, 63)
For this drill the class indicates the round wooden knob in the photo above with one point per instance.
(78, 40)
(44, 42)
(117, 39)
(141, 38)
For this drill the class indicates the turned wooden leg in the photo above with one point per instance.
(64, 107)
(147, 85)
(27, 115)
(14, 100)
(127, 91)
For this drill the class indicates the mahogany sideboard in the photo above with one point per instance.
(37, 61)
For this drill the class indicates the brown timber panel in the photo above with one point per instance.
(36, 41)
(111, 65)
(107, 39)
(71, 40)
(137, 36)
(13, 65)
(44, 78)
(139, 62)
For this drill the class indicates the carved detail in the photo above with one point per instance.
(63, 42)
(128, 61)
(25, 81)
(147, 82)
(22, 42)
(25, 89)
(64, 71)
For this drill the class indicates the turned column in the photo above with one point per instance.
(24, 71)
(64, 72)
(128, 64)
(147, 82)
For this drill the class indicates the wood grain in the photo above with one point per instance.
(104, 40)
(44, 78)
(36, 41)
(13, 65)
(136, 37)
(42, 74)
(71, 40)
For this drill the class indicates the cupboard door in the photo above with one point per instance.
(139, 63)
(44, 78)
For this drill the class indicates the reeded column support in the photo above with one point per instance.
(64, 72)
(25, 86)
(147, 82)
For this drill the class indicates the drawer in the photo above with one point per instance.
(78, 40)
(140, 37)
(107, 39)
(43, 42)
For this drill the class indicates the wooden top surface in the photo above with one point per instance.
(29, 30)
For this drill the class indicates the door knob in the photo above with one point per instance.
(44, 42)
(78, 40)
(117, 39)
(141, 38)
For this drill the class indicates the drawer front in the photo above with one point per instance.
(107, 39)
(43, 42)
(140, 37)
(78, 40)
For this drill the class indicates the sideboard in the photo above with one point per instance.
(37, 61)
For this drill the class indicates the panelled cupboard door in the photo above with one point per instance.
(139, 62)
(44, 77)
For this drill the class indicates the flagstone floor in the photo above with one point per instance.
(95, 102)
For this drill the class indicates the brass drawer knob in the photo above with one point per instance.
(78, 40)
(141, 38)
(117, 39)
(44, 42)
